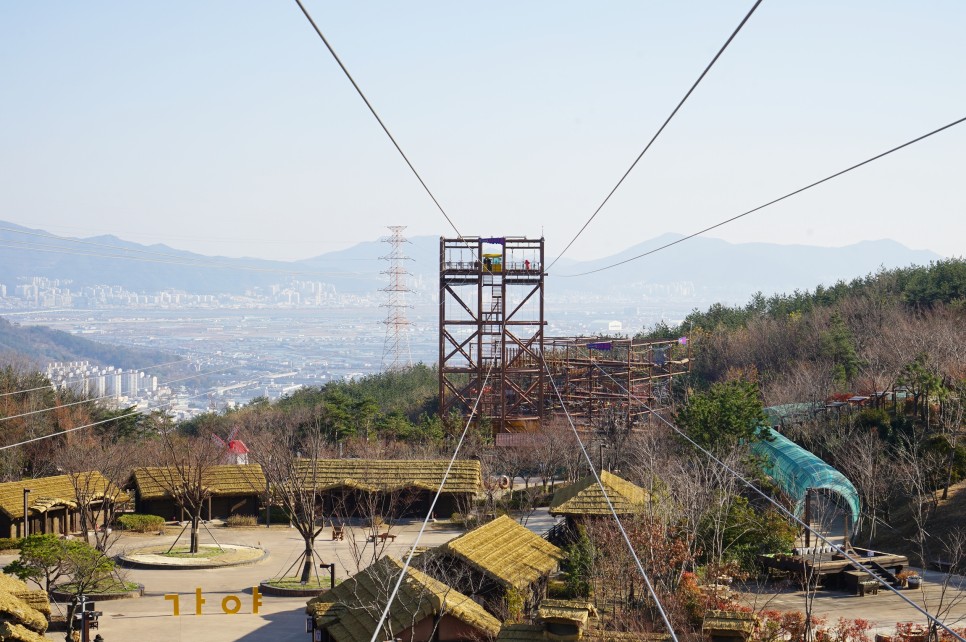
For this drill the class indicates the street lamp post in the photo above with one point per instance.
(26, 517)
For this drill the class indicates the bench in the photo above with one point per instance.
(338, 533)
(868, 586)
(383, 537)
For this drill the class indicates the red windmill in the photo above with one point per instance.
(236, 452)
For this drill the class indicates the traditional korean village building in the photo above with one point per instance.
(424, 610)
(728, 626)
(52, 502)
(584, 498)
(234, 490)
(393, 488)
(502, 556)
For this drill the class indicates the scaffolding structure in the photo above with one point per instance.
(396, 351)
(602, 379)
(491, 323)
(491, 338)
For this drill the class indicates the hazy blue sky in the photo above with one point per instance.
(226, 128)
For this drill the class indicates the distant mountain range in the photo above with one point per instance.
(708, 268)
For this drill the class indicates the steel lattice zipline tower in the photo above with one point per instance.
(491, 330)
(396, 353)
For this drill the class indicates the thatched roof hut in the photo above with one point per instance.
(386, 475)
(235, 489)
(340, 482)
(728, 626)
(52, 501)
(155, 482)
(350, 612)
(584, 498)
(539, 633)
(574, 612)
(506, 552)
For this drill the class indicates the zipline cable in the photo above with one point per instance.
(772, 202)
(660, 129)
(838, 549)
(103, 421)
(429, 513)
(378, 119)
(620, 525)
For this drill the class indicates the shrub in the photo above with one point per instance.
(464, 521)
(277, 515)
(140, 523)
(10, 543)
(236, 521)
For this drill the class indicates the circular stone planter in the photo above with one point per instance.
(277, 591)
(98, 597)
(153, 557)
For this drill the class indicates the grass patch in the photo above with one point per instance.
(185, 552)
(293, 583)
(115, 586)
(241, 521)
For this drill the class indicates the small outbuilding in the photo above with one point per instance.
(586, 499)
(728, 626)
(424, 610)
(52, 502)
(499, 557)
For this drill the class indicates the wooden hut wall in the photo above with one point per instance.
(350, 502)
(58, 520)
(228, 505)
(164, 507)
(444, 629)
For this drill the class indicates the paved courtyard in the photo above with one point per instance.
(150, 619)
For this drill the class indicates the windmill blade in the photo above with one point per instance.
(233, 434)
(218, 440)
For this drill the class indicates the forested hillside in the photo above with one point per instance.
(876, 370)
(38, 346)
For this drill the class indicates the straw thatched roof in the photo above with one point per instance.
(585, 497)
(537, 633)
(508, 553)
(351, 610)
(19, 633)
(35, 599)
(387, 475)
(11, 584)
(48, 492)
(16, 611)
(728, 623)
(226, 480)
(576, 612)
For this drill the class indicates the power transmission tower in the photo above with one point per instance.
(396, 353)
